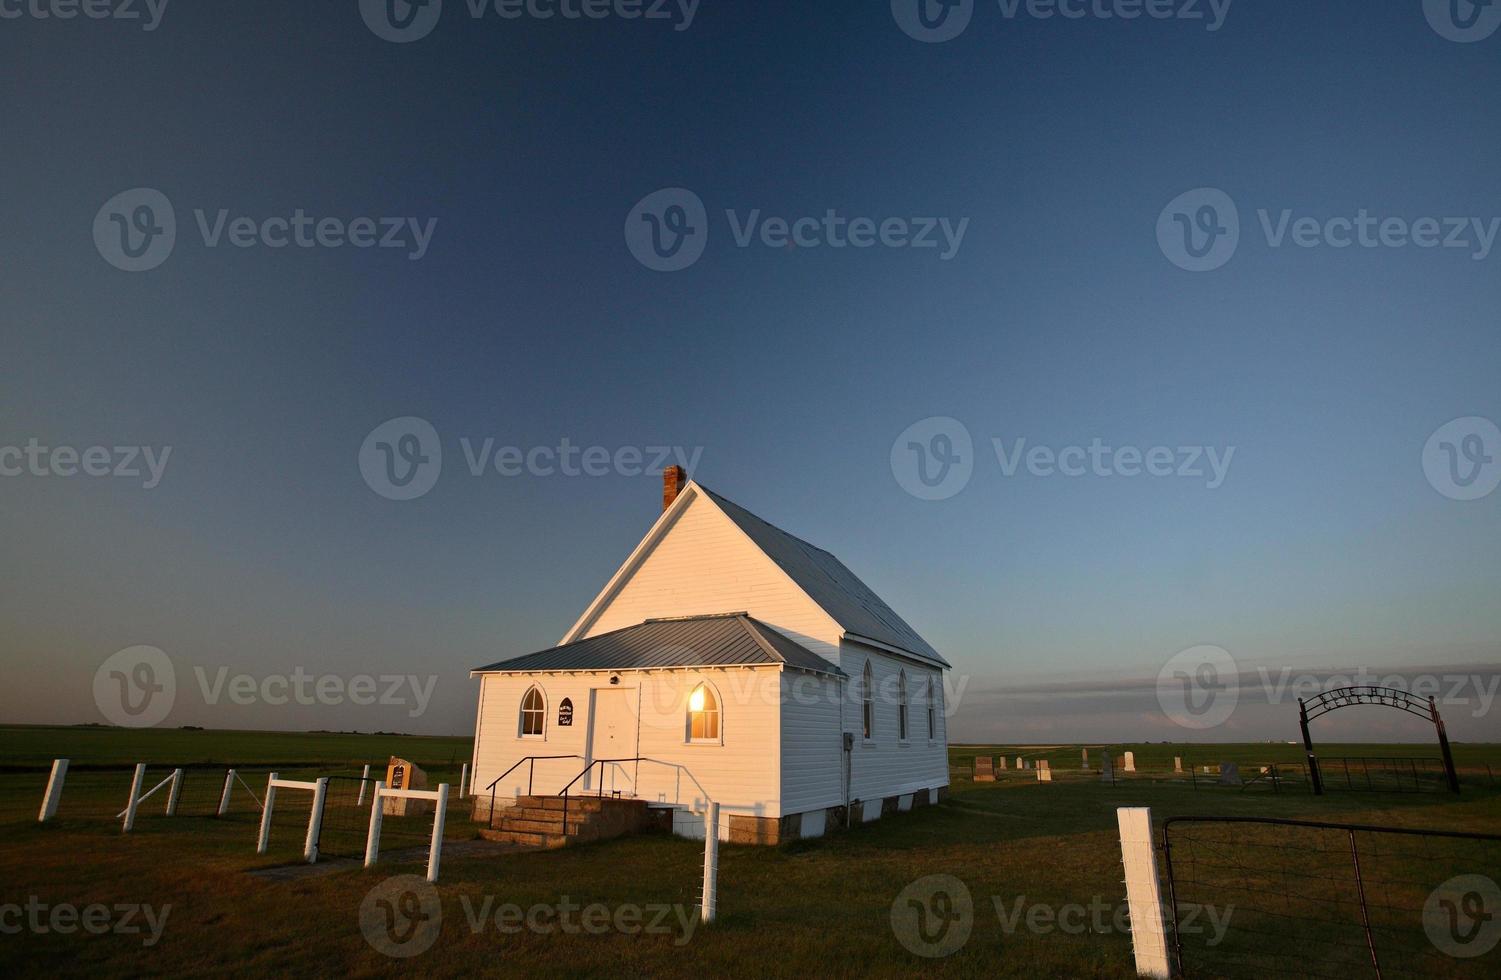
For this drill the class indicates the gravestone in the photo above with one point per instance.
(1230, 774)
(1107, 774)
(1044, 773)
(404, 774)
(1019, 763)
(1177, 763)
(1085, 766)
(1001, 762)
(984, 769)
(1130, 761)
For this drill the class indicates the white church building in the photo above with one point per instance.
(725, 661)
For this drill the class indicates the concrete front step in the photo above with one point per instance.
(576, 804)
(540, 821)
(524, 838)
(509, 822)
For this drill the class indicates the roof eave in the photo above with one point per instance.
(935, 660)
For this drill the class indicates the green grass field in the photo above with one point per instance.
(819, 907)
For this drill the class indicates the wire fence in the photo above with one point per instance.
(1340, 773)
(1339, 901)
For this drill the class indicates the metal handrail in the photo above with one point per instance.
(532, 759)
(587, 769)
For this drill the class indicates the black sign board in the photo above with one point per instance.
(565, 713)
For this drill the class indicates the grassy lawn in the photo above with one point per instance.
(809, 908)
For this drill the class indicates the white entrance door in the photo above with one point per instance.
(612, 735)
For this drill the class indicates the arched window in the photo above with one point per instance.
(901, 706)
(533, 712)
(703, 715)
(932, 710)
(867, 708)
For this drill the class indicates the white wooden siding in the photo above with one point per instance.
(883, 765)
(812, 749)
(741, 774)
(703, 564)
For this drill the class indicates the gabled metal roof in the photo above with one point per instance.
(726, 640)
(836, 589)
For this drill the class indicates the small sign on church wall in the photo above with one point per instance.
(565, 713)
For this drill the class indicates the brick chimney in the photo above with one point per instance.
(674, 479)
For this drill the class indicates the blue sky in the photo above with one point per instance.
(527, 320)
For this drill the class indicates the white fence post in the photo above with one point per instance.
(711, 865)
(265, 838)
(135, 792)
(315, 821)
(372, 839)
(54, 791)
(464, 781)
(364, 778)
(175, 794)
(435, 850)
(229, 784)
(1143, 891)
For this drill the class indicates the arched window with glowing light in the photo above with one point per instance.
(703, 715)
(533, 711)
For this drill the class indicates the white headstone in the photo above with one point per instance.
(1177, 763)
(1130, 761)
(1019, 763)
(1086, 759)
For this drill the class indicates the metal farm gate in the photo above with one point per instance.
(1261, 897)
